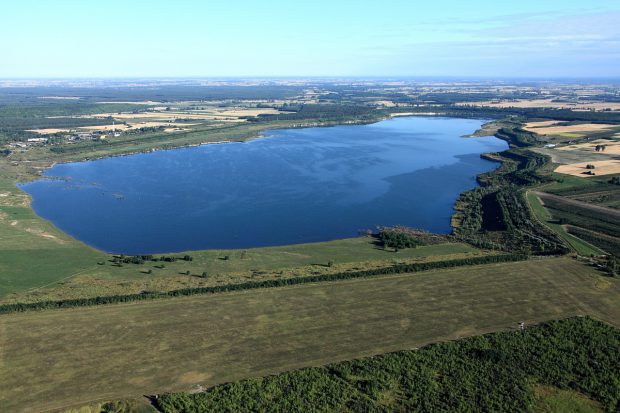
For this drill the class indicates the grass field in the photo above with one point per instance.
(596, 190)
(258, 264)
(552, 400)
(598, 226)
(577, 244)
(33, 252)
(56, 359)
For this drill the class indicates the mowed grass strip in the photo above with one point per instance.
(55, 359)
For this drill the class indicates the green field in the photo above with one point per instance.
(577, 244)
(554, 400)
(595, 225)
(62, 358)
(596, 190)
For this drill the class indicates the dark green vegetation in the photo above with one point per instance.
(72, 356)
(146, 295)
(599, 190)
(401, 237)
(17, 119)
(594, 224)
(493, 373)
(496, 215)
(322, 112)
(545, 218)
(566, 115)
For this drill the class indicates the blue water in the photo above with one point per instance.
(295, 186)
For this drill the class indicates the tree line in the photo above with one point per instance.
(280, 282)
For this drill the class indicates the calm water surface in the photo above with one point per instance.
(297, 185)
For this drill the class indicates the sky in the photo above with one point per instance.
(233, 38)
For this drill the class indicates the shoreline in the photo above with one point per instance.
(264, 133)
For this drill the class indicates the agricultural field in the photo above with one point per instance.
(544, 216)
(590, 168)
(598, 226)
(563, 128)
(128, 350)
(598, 190)
(224, 267)
(546, 103)
(581, 149)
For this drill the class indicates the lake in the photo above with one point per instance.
(292, 186)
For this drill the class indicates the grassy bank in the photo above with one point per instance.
(297, 279)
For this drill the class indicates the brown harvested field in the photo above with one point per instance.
(611, 147)
(546, 128)
(58, 358)
(606, 167)
(211, 114)
(120, 126)
(545, 103)
(248, 112)
(47, 131)
(157, 124)
(160, 116)
(573, 156)
(81, 128)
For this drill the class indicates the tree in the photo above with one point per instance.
(399, 238)
(612, 265)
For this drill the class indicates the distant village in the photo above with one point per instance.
(67, 138)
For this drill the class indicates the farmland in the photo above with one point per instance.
(598, 225)
(127, 350)
(61, 358)
(595, 190)
(544, 216)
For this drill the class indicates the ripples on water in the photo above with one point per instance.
(297, 185)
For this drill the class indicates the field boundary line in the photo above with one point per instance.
(253, 285)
